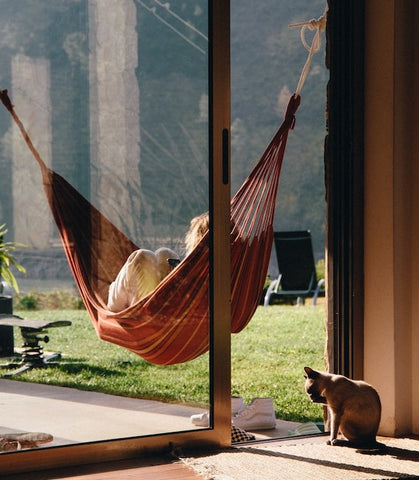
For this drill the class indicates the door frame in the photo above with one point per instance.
(344, 174)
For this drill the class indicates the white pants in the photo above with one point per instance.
(140, 275)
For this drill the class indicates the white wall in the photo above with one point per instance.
(391, 201)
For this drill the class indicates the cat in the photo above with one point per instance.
(354, 408)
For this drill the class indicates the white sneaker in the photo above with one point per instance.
(237, 404)
(202, 419)
(259, 414)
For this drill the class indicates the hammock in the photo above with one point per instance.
(171, 324)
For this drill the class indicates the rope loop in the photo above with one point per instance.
(319, 25)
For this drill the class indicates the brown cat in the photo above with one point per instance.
(354, 407)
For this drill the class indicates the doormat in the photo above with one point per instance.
(307, 460)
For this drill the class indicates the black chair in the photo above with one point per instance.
(297, 278)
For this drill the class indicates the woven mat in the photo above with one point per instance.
(300, 461)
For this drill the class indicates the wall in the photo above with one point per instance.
(391, 270)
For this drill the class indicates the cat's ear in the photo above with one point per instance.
(311, 373)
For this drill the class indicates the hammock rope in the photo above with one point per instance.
(171, 324)
(319, 25)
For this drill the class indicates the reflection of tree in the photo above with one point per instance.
(178, 165)
(181, 23)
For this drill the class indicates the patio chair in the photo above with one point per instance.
(297, 278)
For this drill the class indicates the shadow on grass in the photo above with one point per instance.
(70, 367)
(75, 366)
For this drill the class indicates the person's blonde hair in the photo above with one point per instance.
(198, 228)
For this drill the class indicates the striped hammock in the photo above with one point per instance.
(171, 324)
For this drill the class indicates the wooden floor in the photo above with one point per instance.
(123, 470)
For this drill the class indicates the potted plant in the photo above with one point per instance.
(7, 260)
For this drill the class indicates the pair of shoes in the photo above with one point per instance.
(202, 419)
(259, 414)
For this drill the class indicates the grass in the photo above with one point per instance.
(268, 357)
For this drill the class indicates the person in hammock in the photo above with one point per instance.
(197, 229)
(140, 275)
(144, 269)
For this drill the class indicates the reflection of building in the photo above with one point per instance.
(113, 111)
(31, 91)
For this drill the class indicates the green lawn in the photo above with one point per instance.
(267, 360)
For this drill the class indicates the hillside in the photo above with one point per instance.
(169, 177)
(267, 58)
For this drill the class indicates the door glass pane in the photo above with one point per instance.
(114, 95)
(267, 59)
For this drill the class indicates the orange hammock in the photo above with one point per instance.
(171, 324)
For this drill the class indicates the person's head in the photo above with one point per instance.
(198, 228)
(167, 260)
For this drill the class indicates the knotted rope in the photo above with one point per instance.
(319, 25)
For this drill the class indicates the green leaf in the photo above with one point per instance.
(7, 259)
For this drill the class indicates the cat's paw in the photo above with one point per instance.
(333, 442)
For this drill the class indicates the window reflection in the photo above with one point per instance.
(114, 96)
